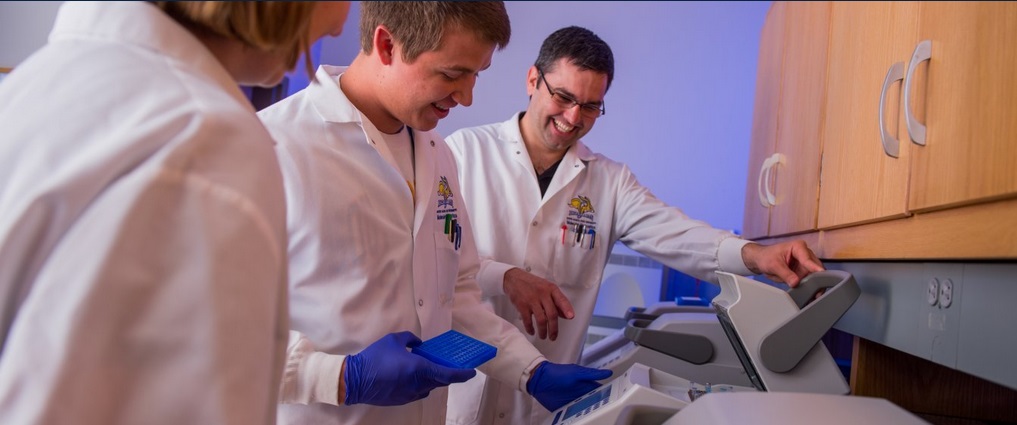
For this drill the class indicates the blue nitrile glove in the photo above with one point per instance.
(555, 385)
(386, 374)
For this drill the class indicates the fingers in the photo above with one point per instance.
(539, 302)
(549, 314)
(527, 319)
(404, 338)
(443, 376)
(562, 303)
(596, 374)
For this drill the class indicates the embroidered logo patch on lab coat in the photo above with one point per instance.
(445, 193)
(580, 228)
(581, 212)
(581, 205)
(446, 208)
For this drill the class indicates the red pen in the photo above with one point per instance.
(563, 229)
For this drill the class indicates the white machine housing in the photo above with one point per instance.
(776, 333)
(641, 395)
(765, 408)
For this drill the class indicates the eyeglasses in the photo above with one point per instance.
(589, 110)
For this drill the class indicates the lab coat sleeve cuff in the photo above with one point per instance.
(491, 277)
(729, 256)
(322, 372)
(310, 376)
(523, 380)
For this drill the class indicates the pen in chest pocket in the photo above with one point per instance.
(580, 235)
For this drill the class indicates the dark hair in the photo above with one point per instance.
(581, 47)
(420, 25)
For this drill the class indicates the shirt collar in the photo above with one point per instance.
(510, 131)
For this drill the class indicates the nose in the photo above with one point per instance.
(573, 113)
(463, 94)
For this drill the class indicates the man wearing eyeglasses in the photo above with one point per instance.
(547, 210)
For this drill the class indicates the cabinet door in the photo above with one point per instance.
(800, 118)
(970, 105)
(764, 120)
(861, 181)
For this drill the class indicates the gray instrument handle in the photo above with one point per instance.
(695, 349)
(784, 347)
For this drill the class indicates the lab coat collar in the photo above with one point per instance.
(510, 131)
(575, 161)
(143, 25)
(328, 99)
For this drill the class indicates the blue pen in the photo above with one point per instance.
(593, 237)
(459, 236)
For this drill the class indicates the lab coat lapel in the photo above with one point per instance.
(571, 165)
(425, 164)
(512, 141)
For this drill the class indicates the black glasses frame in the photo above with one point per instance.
(591, 110)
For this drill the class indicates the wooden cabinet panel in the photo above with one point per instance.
(861, 181)
(790, 93)
(764, 121)
(800, 119)
(970, 105)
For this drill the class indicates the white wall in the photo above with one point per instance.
(24, 27)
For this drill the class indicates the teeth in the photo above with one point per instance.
(564, 128)
(440, 107)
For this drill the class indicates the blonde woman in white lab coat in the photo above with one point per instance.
(142, 217)
(543, 203)
(379, 238)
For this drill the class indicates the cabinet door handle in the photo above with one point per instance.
(766, 197)
(764, 173)
(923, 52)
(890, 144)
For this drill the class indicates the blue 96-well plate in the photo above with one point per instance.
(453, 349)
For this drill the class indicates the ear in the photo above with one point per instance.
(532, 76)
(384, 44)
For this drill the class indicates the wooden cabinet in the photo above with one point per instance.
(911, 113)
(866, 156)
(859, 86)
(790, 96)
(970, 151)
(764, 121)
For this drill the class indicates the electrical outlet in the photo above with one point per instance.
(932, 292)
(946, 293)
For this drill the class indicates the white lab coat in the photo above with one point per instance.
(367, 259)
(142, 231)
(515, 227)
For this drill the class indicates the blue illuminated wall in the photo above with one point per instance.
(679, 110)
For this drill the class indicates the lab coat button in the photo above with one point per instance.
(501, 416)
(534, 223)
(432, 143)
(527, 269)
(420, 302)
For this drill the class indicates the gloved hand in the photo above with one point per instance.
(387, 374)
(555, 385)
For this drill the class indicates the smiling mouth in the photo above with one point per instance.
(562, 127)
(442, 108)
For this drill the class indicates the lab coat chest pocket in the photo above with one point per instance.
(446, 266)
(575, 257)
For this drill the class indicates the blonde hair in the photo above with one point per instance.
(280, 26)
(420, 25)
